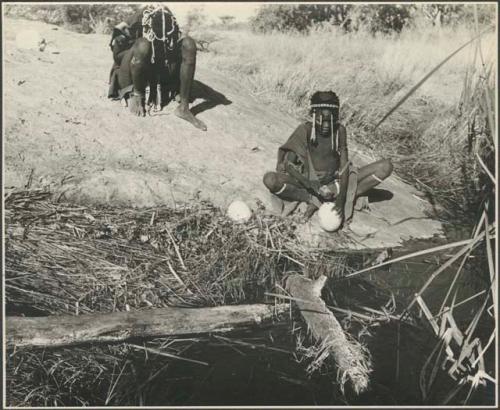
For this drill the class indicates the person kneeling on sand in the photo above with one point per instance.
(313, 165)
(150, 50)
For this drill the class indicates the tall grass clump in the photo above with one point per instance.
(426, 137)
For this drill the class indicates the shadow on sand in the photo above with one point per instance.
(379, 195)
(212, 97)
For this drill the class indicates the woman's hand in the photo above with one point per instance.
(326, 193)
(281, 167)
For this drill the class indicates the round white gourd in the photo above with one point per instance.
(329, 219)
(239, 211)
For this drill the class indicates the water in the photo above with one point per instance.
(240, 375)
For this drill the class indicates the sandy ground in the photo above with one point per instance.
(61, 130)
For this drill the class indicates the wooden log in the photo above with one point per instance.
(119, 326)
(351, 358)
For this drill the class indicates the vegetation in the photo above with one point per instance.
(441, 139)
(83, 18)
(432, 138)
(373, 18)
(226, 20)
(68, 259)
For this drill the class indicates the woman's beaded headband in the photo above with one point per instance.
(324, 106)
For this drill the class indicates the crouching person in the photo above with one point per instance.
(149, 50)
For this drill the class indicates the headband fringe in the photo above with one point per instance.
(331, 130)
(324, 106)
(313, 131)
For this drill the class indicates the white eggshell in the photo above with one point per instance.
(328, 217)
(239, 211)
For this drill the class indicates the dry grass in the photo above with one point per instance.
(352, 359)
(62, 258)
(68, 259)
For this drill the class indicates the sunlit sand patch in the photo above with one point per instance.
(28, 39)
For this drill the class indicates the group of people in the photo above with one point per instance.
(313, 165)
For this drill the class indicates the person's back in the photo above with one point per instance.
(150, 51)
(143, 18)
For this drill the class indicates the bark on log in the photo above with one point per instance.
(119, 326)
(351, 358)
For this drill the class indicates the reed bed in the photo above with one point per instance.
(62, 258)
(461, 349)
(66, 259)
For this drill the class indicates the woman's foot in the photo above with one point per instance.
(138, 105)
(187, 115)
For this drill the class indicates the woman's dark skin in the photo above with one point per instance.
(140, 67)
(324, 158)
(327, 160)
(140, 71)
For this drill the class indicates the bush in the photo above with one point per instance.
(84, 18)
(372, 18)
(455, 14)
(297, 17)
(375, 18)
(51, 14)
(383, 18)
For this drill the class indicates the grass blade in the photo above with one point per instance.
(491, 267)
(442, 268)
(169, 355)
(459, 270)
(483, 351)
(427, 76)
(462, 302)
(486, 94)
(486, 169)
(411, 255)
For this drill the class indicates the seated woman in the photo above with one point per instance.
(313, 165)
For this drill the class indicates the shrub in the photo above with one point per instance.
(372, 18)
(85, 18)
(297, 17)
(383, 18)
(455, 14)
(375, 18)
(226, 20)
(51, 14)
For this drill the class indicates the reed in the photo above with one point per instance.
(65, 259)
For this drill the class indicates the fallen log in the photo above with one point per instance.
(351, 358)
(114, 327)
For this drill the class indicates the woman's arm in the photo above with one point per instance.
(286, 151)
(343, 170)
